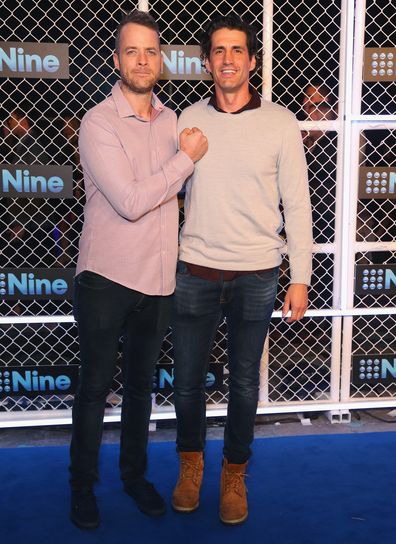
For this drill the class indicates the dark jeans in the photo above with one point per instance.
(104, 312)
(247, 303)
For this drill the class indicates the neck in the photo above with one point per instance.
(232, 101)
(140, 102)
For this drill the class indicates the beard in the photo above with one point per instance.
(139, 85)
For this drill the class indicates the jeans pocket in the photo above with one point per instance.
(181, 269)
(267, 275)
(91, 280)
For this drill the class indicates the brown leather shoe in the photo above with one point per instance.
(186, 493)
(233, 501)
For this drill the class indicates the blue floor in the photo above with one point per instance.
(326, 489)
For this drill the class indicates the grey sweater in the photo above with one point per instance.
(255, 160)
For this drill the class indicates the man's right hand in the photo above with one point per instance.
(194, 143)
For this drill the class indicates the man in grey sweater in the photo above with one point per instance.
(230, 252)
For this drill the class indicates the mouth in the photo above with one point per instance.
(228, 72)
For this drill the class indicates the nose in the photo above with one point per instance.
(228, 56)
(142, 58)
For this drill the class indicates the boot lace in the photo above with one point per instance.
(189, 471)
(234, 482)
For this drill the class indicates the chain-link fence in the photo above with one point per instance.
(378, 98)
(373, 339)
(308, 48)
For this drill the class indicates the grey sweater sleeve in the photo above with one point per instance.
(294, 191)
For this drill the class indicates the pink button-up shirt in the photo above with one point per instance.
(132, 173)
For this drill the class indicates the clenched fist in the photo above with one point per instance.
(194, 143)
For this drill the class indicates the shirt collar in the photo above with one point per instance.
(125, 109)
(254, 102)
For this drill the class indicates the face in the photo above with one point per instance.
(139, 58)
(70, 127)
(229, 61)
(15, 125)
(316, 105)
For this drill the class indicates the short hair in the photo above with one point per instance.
(137, 17)
(232, 22)
(18, 113)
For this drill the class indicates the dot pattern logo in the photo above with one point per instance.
(376, 182)
(372, 279)
(369, 369)
(3, 284)
(5, 381)
(380, 64)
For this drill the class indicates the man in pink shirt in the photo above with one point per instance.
(126, 266)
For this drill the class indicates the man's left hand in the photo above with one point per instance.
(296, 300)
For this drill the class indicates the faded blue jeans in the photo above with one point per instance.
(247, 303)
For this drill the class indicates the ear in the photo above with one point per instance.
(252, 63)
(207, 66)
(116, 61)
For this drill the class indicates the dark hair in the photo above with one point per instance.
(232, 22)
(139, 18)
(19, 113)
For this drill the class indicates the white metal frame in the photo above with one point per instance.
(354, 123)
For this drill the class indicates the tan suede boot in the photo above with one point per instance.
(186, 493)
(233, 501)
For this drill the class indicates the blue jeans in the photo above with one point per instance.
(105, 311)
(247, 303)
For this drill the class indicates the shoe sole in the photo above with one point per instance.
(88, 527)
(152, 513)
(234, 521)
(185, 510)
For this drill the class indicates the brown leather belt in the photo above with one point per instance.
(212, 274)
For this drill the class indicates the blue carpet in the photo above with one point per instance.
(333, 489)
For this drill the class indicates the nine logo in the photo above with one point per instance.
(36, 181)
(379, 64)
(33, 380)
(34, 60)
(375, 279)
(182, 62)
(372, 369)
(39, 283)
(377, 183)
(164, 376)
